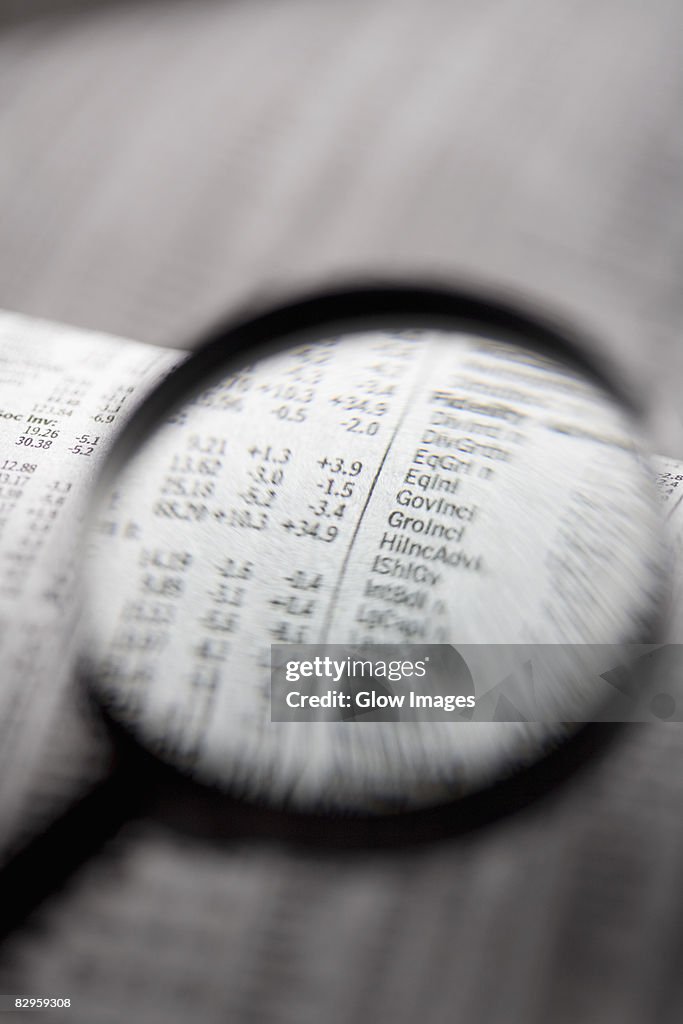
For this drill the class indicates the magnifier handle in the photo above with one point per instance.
(46, 863)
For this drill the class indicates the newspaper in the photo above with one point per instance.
(65, 394)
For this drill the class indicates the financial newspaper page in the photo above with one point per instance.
(64, 394)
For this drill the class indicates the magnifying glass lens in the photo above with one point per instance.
(407, 490)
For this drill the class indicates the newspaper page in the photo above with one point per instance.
(63, 395)
(67, 392)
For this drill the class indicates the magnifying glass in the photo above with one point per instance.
(435, 486)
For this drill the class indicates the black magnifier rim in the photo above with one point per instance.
(238, 342)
